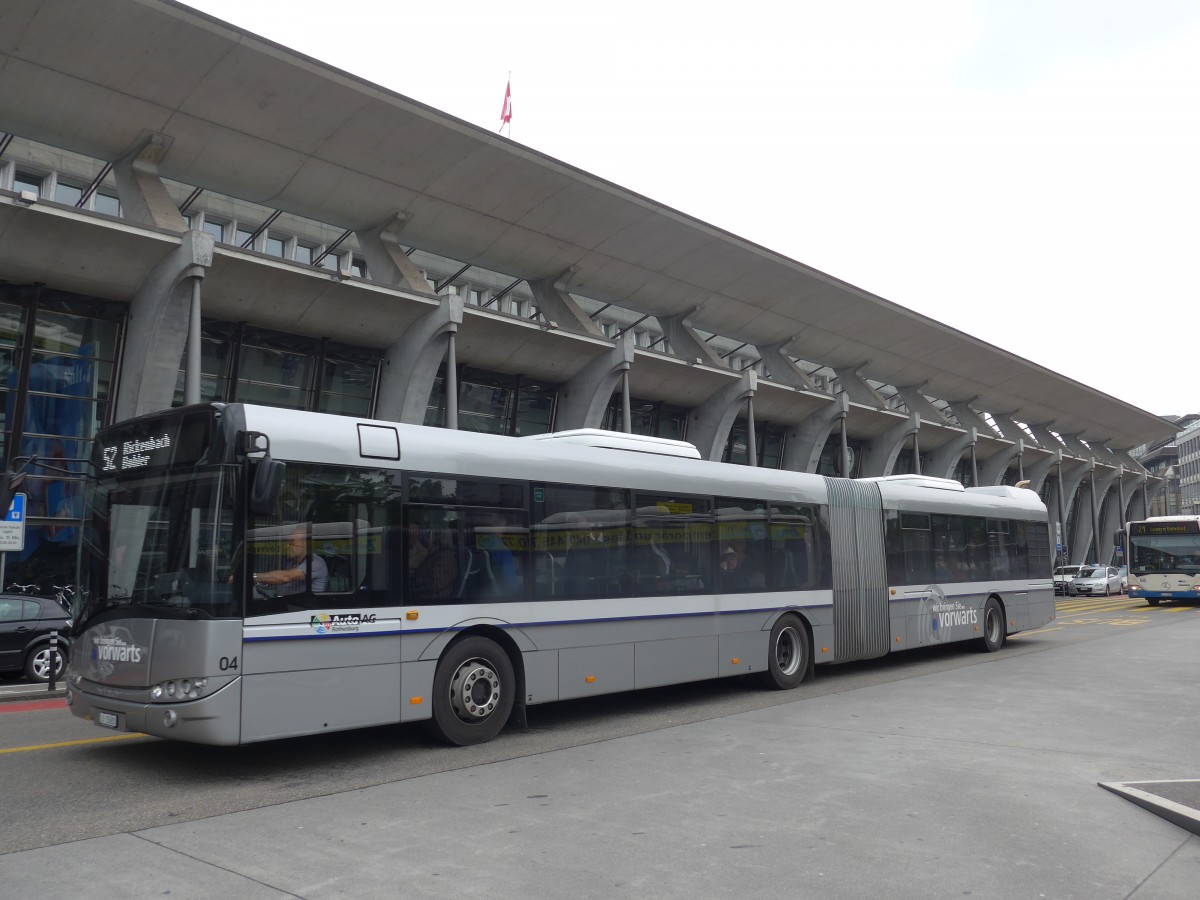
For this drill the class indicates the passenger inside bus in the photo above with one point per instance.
(733, 575)
(293, 577)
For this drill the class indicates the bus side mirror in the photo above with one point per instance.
(266, 485)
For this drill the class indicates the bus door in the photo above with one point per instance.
(861, 617)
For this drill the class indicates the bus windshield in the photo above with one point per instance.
(1165, 553)
(160, 545)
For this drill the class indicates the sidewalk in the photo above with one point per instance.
(11, 692)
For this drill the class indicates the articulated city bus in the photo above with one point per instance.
(251, 573)
(1164, 558)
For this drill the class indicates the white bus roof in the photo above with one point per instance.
(619, 440)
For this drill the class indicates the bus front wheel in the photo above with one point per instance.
(994, 632)
(473, 692)
(788, 655)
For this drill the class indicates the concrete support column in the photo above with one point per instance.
(583, 399)
(386, 260)
(993, 468)
(144, 198)
(781, 367)
(881, 452)
(946, 458)
(917, 402)
(803, 443)
(685, 343)
(159, 324)
(857, 388)
(1036, 472)
(1135, 485)
(968, 417)
(1081, 525)
(709, 423)
(410, 366)
(558, 306)
(1108, 519)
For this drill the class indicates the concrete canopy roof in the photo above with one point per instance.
(254, 120)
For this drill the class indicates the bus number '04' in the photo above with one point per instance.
(228, 663)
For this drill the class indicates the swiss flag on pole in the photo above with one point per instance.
(506, 110)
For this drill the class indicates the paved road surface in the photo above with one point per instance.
(947, 775)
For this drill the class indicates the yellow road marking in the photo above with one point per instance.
(99, 740)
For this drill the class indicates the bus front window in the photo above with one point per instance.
(162, 545)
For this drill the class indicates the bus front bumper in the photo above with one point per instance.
(215, 719)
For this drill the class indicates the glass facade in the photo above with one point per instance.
(494, 403)
(768, 442)
(254, 365)
(649, 417)
(58, 354)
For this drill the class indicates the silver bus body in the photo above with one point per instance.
(287, 673)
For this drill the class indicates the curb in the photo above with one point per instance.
(1176, 813)
(34, 693)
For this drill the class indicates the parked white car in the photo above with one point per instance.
(1093, 580)
(1062, 578)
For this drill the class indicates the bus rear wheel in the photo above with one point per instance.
(789, 654)
(994, 632)
(473, 692)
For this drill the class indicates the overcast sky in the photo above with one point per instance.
(1027, 171)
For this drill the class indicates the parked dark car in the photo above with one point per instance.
(26, 623)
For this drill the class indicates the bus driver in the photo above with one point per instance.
(290, 580)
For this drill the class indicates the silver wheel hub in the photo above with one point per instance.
(474, 690)
(41, 663)
(787, 651)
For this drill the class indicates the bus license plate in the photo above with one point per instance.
(106, 719)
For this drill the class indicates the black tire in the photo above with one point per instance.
(1153, 601)
(1107, 590)
(37, 664)
(473, 692)
(789, 654)
(994, 631)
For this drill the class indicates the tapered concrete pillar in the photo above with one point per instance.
(804, 443)
(881, 452)
(709, 424)
(410, 366)
(159, 323)
(945, 459)
(144, 198)
(583, 400)
(385, 257)
(558, 306)
(686, 343)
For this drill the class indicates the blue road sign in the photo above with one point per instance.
(12, 529)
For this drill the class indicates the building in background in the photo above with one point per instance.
(342, 248)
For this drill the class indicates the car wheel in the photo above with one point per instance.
(1107, 589)
(37, 664)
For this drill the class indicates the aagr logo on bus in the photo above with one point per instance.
(324, 623)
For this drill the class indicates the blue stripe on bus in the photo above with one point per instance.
(325, 637)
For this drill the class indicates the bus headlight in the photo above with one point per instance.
(179, 689)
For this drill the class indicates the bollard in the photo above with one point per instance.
(53, 660)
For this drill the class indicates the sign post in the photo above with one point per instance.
(12, 529)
